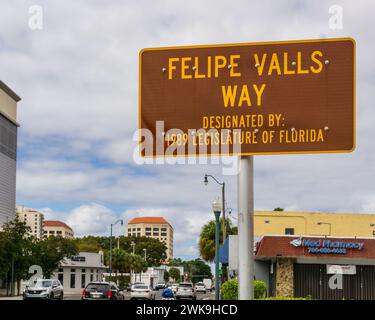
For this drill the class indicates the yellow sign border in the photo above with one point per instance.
(247, 44)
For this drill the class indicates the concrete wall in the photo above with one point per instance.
(8, 106)
(306, 223)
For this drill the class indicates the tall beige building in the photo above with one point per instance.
(54, 228)
(153, 227)
(33, 219)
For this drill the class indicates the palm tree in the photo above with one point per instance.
(207, 238)
(119, 260)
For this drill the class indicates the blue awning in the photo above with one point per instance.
(224, 252)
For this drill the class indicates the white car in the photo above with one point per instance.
(142, 291)
(44, 289)
(174, 287)
(200, 287)
(186, 290)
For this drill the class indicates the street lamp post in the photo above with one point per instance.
(222, 184)
(145, 251)
(110, 247)
(216, 206)
(224, 226)
(133, 253)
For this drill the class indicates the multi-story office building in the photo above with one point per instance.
(8, 152)
(153, 227)
(33, 219)
(57, 229)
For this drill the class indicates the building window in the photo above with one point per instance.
(164, 229)
(60, 276)
(156, 229)
(289, 231)
(163, 234)
(129, 234)
(155, 234)
(72, 279)
(138, 234)
(148, 233)
(148, 229)
(83, 280)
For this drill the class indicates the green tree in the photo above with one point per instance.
(156, 250)
(120, 260)
(196, 269)
(278, 209)
(174, 273)
(15, 252)
(166, 276)
(48, 253)
(207, 238)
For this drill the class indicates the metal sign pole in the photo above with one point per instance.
(245, 228)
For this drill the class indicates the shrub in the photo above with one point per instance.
(285, 298)
(260, 289)
(229, 289)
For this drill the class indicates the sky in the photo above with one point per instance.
(78, 79)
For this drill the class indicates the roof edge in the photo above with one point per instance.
(9, 91)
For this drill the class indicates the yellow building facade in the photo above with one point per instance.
(314, 223)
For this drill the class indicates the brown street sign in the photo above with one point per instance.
(248, 99)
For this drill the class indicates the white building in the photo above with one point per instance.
(75, 273)
(154, 274)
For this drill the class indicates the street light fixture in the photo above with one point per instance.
(216, 207)
(110, 247)
(327, 223)
(133, 245)
(222, 184)
(145, 251)
(224, 224)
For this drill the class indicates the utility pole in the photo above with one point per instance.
(245, 228)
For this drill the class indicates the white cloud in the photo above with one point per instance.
(93, 219)
(78, 79)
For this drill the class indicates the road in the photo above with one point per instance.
(200, 296)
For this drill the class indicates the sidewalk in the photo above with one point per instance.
(11, 298)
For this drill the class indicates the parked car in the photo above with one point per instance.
(186, 290)
(174, 287)
(208, 283)
(142, 291)
(200, 287)
(102, 291)
(44, 289)
(160, 285)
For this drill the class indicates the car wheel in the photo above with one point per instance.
(51, 296)
(61, 296)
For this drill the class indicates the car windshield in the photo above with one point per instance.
(199, 284)
(186, 285)
(97, 287)
(43, 283)
(140, 287)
